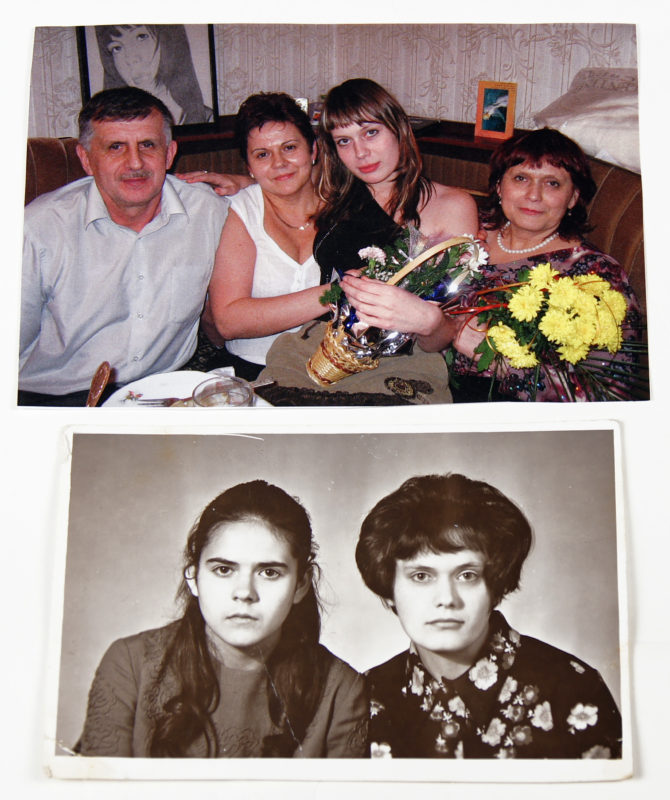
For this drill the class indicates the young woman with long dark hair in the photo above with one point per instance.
(372, 186)
(241, 673)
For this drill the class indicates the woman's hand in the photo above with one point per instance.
(391, 308)
(223, 184)
(387, 307)
(469, 336)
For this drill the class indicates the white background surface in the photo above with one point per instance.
(33, 442)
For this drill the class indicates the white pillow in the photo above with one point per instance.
(600, 112)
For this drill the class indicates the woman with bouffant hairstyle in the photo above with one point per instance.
(442, 551)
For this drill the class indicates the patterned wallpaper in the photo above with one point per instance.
(432, 69)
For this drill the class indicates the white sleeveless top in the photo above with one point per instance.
(275, 272)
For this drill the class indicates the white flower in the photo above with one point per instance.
(457, 706)
(417, 681)
(483, 674)
(577, 667)
(542, 716)
(474, 256)
(382, 750)
(494, 732)
(375, 253)
(375, 708)
(581, 716)
(514, 636)
(509, 687)
(598, 751)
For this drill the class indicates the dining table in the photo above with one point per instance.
(178, 387)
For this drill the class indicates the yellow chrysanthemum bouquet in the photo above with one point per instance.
(554, 324)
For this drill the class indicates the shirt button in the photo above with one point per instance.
(136, 358)
(141, 277)
(140, 315)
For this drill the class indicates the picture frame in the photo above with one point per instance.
(174, 62)
(496, 102)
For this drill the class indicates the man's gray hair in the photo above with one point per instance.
(125, 103)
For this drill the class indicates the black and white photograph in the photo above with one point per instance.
(174, 63)
(424, 580)
(369, 597)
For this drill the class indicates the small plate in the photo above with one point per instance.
(166, 384)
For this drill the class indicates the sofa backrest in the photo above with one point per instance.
(615, 213)
(50, 164)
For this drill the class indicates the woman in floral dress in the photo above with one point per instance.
(441, 552)
(540, 185)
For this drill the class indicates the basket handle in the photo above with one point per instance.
(432, 251)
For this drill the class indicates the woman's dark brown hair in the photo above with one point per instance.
(533, 148)
(444, 513)
(351, 103)
(264, 107)
(296, 668)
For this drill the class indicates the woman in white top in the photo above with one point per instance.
(265, 278)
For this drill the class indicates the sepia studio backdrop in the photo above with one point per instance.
(134, 498)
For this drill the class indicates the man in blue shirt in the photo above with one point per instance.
(115, 265)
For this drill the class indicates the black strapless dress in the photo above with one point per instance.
(336, 245)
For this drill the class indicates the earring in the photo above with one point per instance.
(251, 175)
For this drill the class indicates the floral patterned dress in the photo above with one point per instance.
(582, 259)
(521, 699)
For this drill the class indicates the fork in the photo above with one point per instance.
(158, 401)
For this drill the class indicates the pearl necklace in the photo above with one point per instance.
(525, 249)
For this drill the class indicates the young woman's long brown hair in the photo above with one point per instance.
(296, 669)
(353, 102)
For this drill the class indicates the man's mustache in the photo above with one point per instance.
(140, 173)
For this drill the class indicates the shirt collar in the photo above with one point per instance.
(170, 204)
(497, 654)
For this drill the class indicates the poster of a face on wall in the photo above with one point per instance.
(172, 62)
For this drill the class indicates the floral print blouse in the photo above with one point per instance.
(521, 699)
(571, 261)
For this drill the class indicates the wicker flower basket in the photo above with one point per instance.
(332, 361)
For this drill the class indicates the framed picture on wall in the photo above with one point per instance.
(495, 109)
(173, 62)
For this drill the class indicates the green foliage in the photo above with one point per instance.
(331, 295)
(487, 354)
